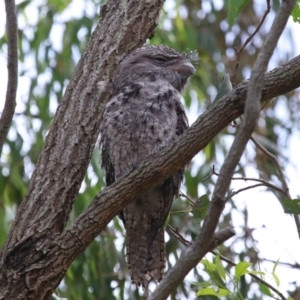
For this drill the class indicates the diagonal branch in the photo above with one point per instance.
(12, 66)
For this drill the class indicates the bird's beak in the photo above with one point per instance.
(186, 69)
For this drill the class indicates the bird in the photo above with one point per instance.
(144, 116)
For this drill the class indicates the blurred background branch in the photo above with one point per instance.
(12, 68)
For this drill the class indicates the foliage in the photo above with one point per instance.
(291, 206)
(234, 7)
(52, 36)
(223, 283)
(296, 12)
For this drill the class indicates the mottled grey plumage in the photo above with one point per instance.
(144, 116)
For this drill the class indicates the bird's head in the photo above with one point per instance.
(153, 63)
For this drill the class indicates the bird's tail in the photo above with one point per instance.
(146, 260)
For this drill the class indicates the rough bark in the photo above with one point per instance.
(38, 250)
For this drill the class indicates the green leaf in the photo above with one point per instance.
(59, 5)
(211, 291)
(220, 268)
(291, 206)
(204, 284)
(223, 292)
(296, 12)
(275, 266)
(207, 291)
(22, 5)
(276, 279)
(208, 265)
(200, 207)
(264, 289)
(241, 269)
(256, 272)
(234, 7)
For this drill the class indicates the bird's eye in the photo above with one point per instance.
(160, 59)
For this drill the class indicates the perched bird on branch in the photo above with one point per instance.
(143, 117)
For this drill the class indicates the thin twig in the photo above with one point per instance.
(246, 188)
(209, 175)
(188, 198)
(275, 161)
(239, 51)
(12, 65)
(181, 211)
(285, 188)
(258, 27)
(262, 181)
(178, 236)
(236, 67)
(292, 266)
(185, 242)
(217, 240)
